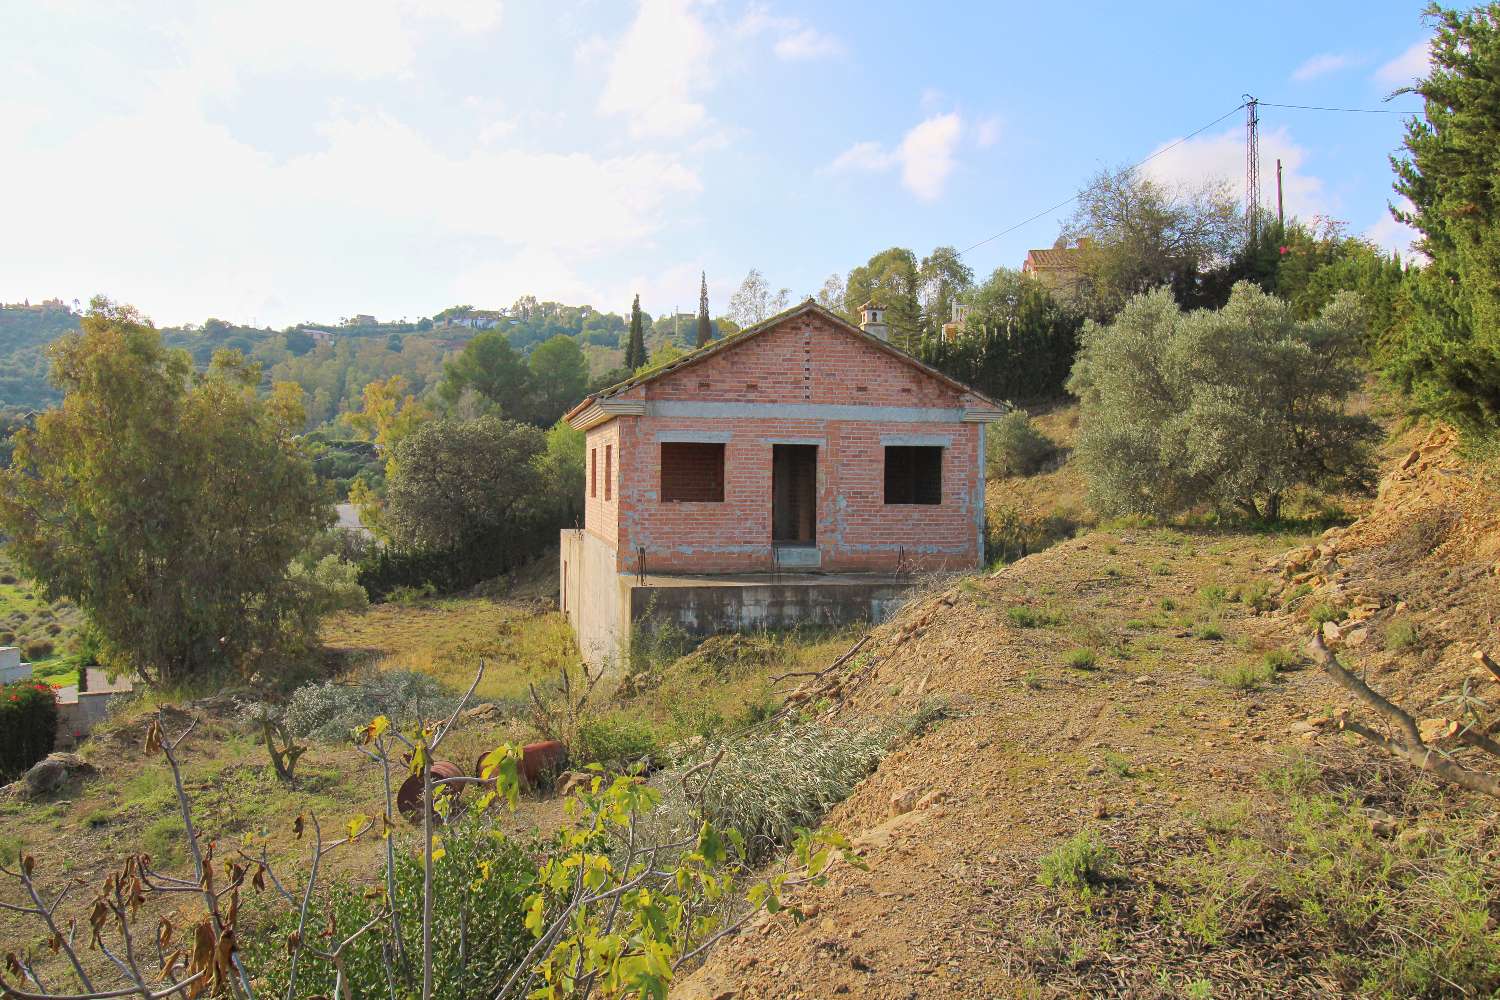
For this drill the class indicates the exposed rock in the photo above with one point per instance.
(571, 781)
(905, 800)
(482, 711)
(49, 775)
(934, 796)
(1332, 632)
(1358, 637)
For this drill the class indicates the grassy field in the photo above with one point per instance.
(81, 831)
(45, 630)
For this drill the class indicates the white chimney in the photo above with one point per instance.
(872, 321)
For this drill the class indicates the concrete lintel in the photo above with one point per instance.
(982, 416)
(806, 411)
(693, 437)
(816, 442)
(916, 440)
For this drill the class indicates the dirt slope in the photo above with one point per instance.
(1140, 747)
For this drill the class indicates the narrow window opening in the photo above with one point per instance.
(692, 472)
(913, 474)
(593, 472)
(609, 471)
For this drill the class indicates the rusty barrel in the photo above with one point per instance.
(409, 795)
(541, 762)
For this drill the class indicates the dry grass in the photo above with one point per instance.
(446, 639)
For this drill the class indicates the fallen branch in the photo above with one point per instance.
(849, 655)
(1409, 746)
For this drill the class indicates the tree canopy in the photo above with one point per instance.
(166, 504)
(1231, 407)
(1447, 357)
(1139, 235)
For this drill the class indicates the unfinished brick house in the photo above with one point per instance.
(800, 470)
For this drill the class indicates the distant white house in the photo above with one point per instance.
(11, 667)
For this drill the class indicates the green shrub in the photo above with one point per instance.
(478, 931)
(164, 840)
(769, 784)
(1016, 447)
(1213, 597)
(1209, 632)
(1082, 658)
(1026, 616)
(328, 711)
(1258, 596)
(37, 649)
(1394, 918)
(615, 741)
(1248, 676)
(1279, 660)
(28, 725)
(1402, 635)
(1324, 611)
(1082, 863)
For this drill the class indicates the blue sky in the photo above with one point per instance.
(308, 159)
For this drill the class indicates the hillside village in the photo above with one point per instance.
(1117, 619)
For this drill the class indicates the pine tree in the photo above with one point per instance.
(635, 350)
(705, 328)
(1447, 359)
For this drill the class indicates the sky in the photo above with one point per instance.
(292, 160)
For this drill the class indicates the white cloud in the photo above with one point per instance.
(1220, 159)
(795, 40)
(863, 156)
(212, 226)
(1321, 65)
(356, 39)
(1407, 67)
(808, 43)
(925, 156)
(987, 132)
(658, 69)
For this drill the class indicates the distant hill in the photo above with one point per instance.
(334, 361)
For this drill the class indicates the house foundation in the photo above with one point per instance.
(607, 609)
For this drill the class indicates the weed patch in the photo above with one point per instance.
(1082, 864)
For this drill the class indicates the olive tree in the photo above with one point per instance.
(1230, 407)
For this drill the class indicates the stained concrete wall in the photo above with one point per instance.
(594, 598)
(714, 607)
(11, 667)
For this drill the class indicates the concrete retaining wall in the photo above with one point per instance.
(11, 667)
(594, 597)
(715, 608)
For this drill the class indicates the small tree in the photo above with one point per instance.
(456, 480)
(1016, 447)
(635, 349)
(1232, 407)
(705, 325)
(1143, 235)
(166, 504)
(1448, 357)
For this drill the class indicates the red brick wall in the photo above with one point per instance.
(806, 361)
(601, 516)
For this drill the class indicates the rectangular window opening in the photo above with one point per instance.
(593, 472)
(692, 472)
(913, 474)
(609, 471)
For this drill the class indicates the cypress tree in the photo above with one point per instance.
(635, 349)
(705, 328)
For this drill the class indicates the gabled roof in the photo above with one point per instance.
(1060, 258)
(729, 343)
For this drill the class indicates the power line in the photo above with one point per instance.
(1069, 200)
(1352, 111)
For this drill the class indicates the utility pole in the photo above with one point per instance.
(1280, 213)
(1252, 164)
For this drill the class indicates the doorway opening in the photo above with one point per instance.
(794, 494)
